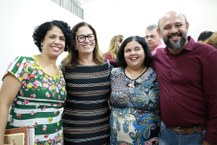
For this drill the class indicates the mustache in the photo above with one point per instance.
(174, 34)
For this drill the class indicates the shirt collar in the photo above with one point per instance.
(190, 44)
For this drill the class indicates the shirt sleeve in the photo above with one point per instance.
(19, 68)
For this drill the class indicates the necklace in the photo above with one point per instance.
(134, 74)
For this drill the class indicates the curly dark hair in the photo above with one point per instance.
(148, 57)
(41, 30)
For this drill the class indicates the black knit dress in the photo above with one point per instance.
(86, 112)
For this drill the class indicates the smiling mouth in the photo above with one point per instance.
(56, 48)
(175, 38)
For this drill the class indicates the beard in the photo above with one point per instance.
(178, 44)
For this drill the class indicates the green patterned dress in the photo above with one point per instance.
(39, 103)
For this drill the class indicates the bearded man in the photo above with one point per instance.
(186, 72)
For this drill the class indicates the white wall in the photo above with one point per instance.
(108, 17)
(130, 17)
(18, 20)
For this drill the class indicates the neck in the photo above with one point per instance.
(48, 64)
(46, 60)
(86, 60)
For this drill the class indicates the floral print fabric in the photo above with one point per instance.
(134, 117)
(39, 103)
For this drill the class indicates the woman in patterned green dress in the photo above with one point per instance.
(34, 88)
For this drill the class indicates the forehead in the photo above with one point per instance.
(132, 44)
(55, 31)
(172, 18)
(84, 30)
(150, 32)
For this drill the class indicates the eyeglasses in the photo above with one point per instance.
(82, 38)
(150, 36)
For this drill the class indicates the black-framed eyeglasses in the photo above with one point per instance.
(82, 38)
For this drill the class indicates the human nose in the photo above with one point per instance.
(174, 29)
(57, 41)
(148, 38)
(132, 52)
(86, 39)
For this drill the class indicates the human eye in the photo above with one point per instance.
(91, 37)
(137, 48)
(127, 50)
(52, 36)
(152, 36)
(167, 27)
(62, 38)
(146, 37)
(179, 25)
(81, 37)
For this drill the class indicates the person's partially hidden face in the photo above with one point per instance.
(134, 54)
(174, 30)
(152, 38)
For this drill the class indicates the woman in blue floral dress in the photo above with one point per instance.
(134, 99)
(34, 87)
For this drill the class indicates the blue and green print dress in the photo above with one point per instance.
(134, 116)
(39, 103)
